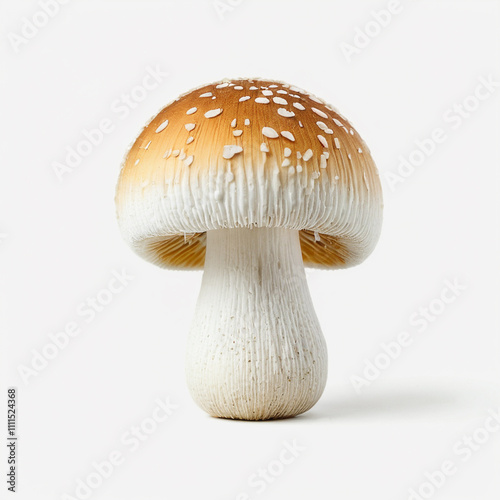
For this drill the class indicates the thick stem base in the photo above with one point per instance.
(255, 349)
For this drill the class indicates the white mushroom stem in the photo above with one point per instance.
(255, 349)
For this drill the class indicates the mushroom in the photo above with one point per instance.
(251, 180)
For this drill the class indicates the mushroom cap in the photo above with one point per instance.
(249, 153)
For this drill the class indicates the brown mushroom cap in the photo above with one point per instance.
(249, 153)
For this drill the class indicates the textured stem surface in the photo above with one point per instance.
(255, 349)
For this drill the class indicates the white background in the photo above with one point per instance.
(60, 245)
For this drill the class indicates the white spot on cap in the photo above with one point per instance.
(316, 236)
(213, 112)
(299, 168)
(189, 160)
(319, 112)
(337, 177)
(253, 88)
(323, 141)
(298, 106)
(284, 112)
(229, 151)
(264, 148)
(291, 170)
(190, 140)
(222, 85)
(288, 135)
(237, 133)
(299, 155)
(351, 131)
(360, 150)
(247, 121)
(238, 87)
(300, 124)
(242, 99)
(315, 99)
(163, 126)
(267, 92)
(337, 122)
(262, 100)
(206, 94)
(322, 161)
(308, 155)
(281, 92)
(270, 132)
(189, 126)
(191, 111)
(326, 154)
(273, 86)
(168, 152)
(280, 100)
(286, 163)
(137, 162)
(233, 123)
(147, 145)
(287, 152)
(183, 155)
(329, 131)
(322, 125)
(337, 143)
(176, 152)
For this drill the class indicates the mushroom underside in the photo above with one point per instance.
(188, 250)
